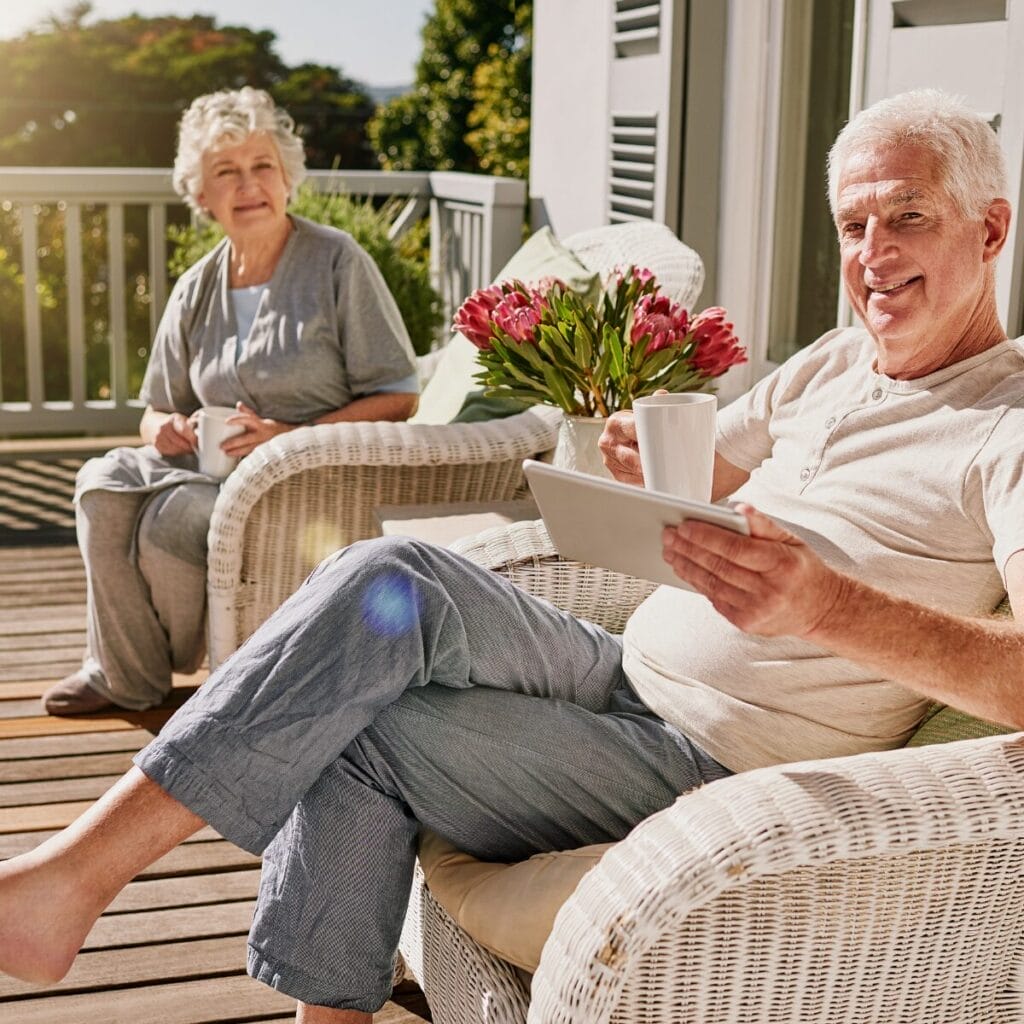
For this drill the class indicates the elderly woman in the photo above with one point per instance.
(287, 321)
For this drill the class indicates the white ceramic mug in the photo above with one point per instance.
(677, 443)
(213, 430)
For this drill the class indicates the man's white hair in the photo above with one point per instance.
(967, 154)
(228, 118)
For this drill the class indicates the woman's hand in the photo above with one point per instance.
(255, 431)
(176, 435)
(770, 583)
(620, 450)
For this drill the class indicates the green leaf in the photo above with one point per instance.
(563, 396)
(613, 344)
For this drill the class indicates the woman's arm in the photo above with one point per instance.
(385, 405)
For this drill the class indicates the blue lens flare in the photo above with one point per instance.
(391, 605)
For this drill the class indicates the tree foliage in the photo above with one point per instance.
(469, 108)
(110, 93)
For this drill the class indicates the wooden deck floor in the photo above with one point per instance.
(171, 948)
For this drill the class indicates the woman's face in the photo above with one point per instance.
(244, 187)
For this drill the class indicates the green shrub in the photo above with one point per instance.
(403, 263)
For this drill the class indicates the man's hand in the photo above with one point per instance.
(176, 436)
(770, 583)
(256, 431)
(620, 450)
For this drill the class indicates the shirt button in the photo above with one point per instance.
(805, 473)
(876, 394)
(830, 422)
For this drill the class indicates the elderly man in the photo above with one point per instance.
(403, 686)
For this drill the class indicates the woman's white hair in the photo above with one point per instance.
(967, 153)
(228, 118)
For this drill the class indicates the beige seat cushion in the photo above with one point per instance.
(508, 908)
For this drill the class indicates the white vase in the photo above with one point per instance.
(577, 445)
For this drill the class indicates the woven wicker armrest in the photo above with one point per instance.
(308, 492)
(525, 554)
(875, 887)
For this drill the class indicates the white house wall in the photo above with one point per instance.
(569, 114)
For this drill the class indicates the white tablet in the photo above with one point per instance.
(615, 525)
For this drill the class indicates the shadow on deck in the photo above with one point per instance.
(171, 948)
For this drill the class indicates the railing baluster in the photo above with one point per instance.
(33, 321)
(75, 300)
(157, 264)
(118, 305)
(475, 267)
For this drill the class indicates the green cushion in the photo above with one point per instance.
(479, 407)
(442, 400)
(945, 724)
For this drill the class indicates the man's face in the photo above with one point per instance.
(915, 270)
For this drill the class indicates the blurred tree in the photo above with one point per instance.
(75, 92)
(473, 51)
(109, 93)
(500, 117)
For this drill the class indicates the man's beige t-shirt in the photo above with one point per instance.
(912, 486)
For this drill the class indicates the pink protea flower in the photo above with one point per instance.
(665, 321)
(473, 318)
(620, 275)
(518, 314)
(716, 346)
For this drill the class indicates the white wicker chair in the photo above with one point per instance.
(877, 888)
(307, 493)
(303, 495)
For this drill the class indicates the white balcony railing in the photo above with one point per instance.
(50, 217)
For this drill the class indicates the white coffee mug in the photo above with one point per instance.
(213, 429)
(677, 443)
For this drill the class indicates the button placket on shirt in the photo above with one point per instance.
(876, 395)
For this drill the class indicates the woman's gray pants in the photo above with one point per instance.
(401, 687)
(145, 570)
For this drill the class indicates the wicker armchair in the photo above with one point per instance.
(307, 493)
(882, 887)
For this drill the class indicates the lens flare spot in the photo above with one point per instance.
(391, 605)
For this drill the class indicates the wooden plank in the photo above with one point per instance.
(29, 707)
(48, 725)
(41, 620)
(82, 766)
(21, 555)
(199, 1002)
(17, 642)
(200, 859)
(164, 893)
(49, 816)
(110, 968)
(84, 743)
(58, 596)
(41, 673)
(151, 926)
(34, 687)
(14, 709)
(21, 842)
(24, 794)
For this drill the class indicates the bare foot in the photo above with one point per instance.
(43, 920)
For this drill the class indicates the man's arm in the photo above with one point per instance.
(772, 584)
(621, 455)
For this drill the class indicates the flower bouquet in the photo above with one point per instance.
(550, 345)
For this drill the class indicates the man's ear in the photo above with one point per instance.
(997, 227)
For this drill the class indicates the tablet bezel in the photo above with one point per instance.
(581, 512)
